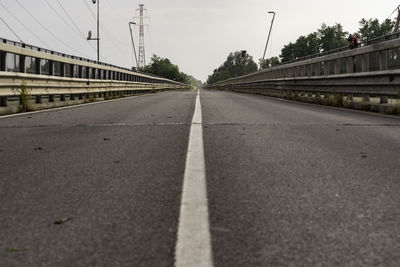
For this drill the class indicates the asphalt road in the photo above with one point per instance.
(288, 184)
(115, 168)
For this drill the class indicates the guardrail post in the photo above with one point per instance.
(39, 66)
(327, 66)
(350, 65)
(383, 60)
(3, 101)
(22, 63)
(289, 73)
(365, 63)
(2, 61)
(62, 69)
(318, 67)
(51, 67)
(308, 70)
(302, 71)
(38, 99)
(337, 66)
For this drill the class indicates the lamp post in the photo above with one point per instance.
(269, 34)
(98, 30)
(133, 44)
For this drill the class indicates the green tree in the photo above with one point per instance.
(237, 64)
(164, 68)
(288, 52)
(304, 46)
(371, 28)
(307, 45)
(268, 62)
(332, 37)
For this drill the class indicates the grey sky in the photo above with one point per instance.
(197, 35)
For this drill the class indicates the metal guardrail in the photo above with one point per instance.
(51, 52)
(369, 71)
(363, 43)
(53, 75)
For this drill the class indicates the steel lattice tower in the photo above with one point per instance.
(142, 54)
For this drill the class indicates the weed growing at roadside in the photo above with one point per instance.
(24, 99)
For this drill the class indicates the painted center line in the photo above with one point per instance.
(193, 246)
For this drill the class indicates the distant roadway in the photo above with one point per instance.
(287, 183)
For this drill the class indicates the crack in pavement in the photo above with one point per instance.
(205, 124)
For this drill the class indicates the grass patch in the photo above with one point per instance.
(365, 106)
(90, 99)
(338, 100)
(396, 109)
(318, 100)
(108, 96)
(24, 95)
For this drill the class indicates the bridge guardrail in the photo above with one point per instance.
(55, 75)
(357, 75)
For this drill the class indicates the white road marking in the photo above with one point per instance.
(193, 246)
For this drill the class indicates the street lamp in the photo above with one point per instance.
(133, 44)
(269, 34)
(98, 30)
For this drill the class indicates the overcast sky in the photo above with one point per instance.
(197, 35)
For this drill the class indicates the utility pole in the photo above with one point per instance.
(396, 26)
(89, 38)
(98, 29)
(269, 34)
(133, 44)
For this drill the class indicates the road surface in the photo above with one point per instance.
(288, 184)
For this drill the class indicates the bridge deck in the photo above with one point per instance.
(288, 183)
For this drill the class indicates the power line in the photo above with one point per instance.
(88, 7)
(120, 16)
(393, 12)
(94, 16)
(26, 28)
(44, 27)
(103, 28)
(61, 17)
(11, 29)
(76, 29)
(70, 19)
(113, 9)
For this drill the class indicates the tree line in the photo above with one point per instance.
(324, 39)
(163, 67)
